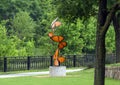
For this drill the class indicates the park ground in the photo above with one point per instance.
(84, 77)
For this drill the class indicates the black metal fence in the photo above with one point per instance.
(40, 62)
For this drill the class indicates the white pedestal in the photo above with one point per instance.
(56, 71)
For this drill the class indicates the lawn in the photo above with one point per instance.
(111, 65)
(85, 77)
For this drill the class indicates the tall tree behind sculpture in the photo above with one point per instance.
(104, 20)
(61, 44)
(116, 24)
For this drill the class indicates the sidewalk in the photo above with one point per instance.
(32, 73)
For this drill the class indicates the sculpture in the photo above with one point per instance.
(60, 40)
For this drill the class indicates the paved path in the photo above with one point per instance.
(32, 73)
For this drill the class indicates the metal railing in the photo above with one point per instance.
(42, 62)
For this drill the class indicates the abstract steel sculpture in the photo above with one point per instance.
(61, 43)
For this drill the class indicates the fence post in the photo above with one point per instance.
(51, 60)
(5, 64)
(28, 63)
(74, 61)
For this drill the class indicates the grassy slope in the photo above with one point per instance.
(85, 77)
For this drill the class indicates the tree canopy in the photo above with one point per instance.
(28, 22)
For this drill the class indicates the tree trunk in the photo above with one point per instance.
(100, 60)
(116, 24)
(99, 78)
(104, 20)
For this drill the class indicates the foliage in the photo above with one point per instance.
(46, 46)
(23, 26)
(7, 46)
(89, 35)
(71, 33)
(13, 46)
(71, 10)
(27, 23)
(110, 38)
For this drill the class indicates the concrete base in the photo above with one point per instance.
(55, 71)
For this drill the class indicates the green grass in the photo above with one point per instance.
(113, 65)
(85, 77)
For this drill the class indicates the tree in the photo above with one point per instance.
(39, 10)
(43, 13)
(7, 45)
(12, 46)
(88, 35)
(71, 33)
(34, 12)
(7, 10)
(23, 26)
(68, 9)
(116, 24)
(104, 20)
(110, 40)
(71, 10)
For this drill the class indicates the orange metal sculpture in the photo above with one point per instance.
(61, 44)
